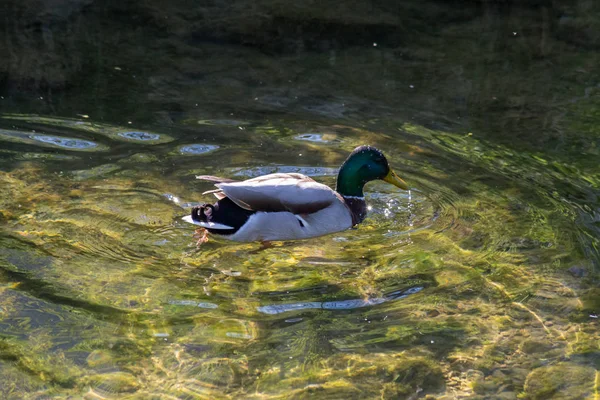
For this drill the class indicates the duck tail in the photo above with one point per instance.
(203, 213)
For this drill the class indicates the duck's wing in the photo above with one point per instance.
(217, 179)
(212, 178)
(295, 193)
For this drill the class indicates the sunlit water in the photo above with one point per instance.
(474, 281)
(480, 282)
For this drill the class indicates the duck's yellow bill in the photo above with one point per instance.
(395, 180)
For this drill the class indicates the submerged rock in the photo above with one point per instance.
(578, 272)
(561, 381)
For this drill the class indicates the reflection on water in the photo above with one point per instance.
(336, 305)
(67, 143)
(113, 132)
(71, 144)
(197, 148)
(317, 138)
(286, 169)
(469, 273)
(141, 136)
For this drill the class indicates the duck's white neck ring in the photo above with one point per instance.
(354, 197)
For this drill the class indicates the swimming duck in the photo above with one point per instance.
(292, 206)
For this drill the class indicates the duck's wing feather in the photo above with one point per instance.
(295, 193)
(217, 179)
(217, 192)
(212, 178)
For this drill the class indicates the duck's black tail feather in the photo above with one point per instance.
(224, 212)
(203, 213)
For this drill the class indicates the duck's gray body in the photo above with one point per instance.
(293, 206)
(281, 206)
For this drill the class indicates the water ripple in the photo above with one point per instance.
(142, 136)
(313, 137)
(195, 149)
(337, 305)
(66, 143)
(308, 171)
(111, 131)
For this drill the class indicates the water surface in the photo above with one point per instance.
(481, 281)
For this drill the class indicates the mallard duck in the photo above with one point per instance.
(292, 206)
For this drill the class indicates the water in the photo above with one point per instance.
(481, 281)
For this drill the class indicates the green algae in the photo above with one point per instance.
(561, 381)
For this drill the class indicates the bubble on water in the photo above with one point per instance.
(138, 135)
(194, 149)
(66, 143)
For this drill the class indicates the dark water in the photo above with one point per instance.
(479, 282)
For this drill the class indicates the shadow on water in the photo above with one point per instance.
(481, 281)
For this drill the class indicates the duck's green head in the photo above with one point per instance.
(365, 164)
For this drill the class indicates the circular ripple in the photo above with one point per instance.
(195, 149)
(138, 135)
(65, 143)
(114, 132)
(311, 137)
